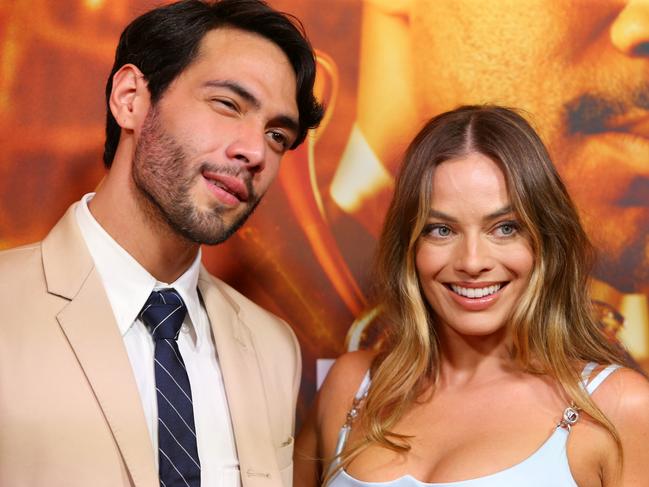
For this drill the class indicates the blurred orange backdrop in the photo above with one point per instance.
(384, 68)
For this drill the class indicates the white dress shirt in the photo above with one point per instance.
(128, 286)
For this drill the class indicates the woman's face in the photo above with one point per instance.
(473, 258)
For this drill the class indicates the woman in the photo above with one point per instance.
(494, 372)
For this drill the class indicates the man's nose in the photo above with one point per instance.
(473, 256)
(630, 30)
(249, 147)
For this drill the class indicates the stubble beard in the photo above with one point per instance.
(628, 268)
(623, 260)
(164, 179)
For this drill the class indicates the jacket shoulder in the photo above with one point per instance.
(20, 265)
(263, 324)
(277, 353)
(18, 257)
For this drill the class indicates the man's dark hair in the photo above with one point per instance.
(164, 42)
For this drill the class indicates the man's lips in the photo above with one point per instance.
(634, 121)
(230, 184)
(599, 115)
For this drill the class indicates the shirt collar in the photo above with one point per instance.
(128, 284)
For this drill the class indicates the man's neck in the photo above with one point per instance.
(143, 233)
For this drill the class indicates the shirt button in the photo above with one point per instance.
(184, 328)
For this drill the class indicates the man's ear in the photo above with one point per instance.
(129, 99)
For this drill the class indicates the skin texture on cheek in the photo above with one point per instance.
(564, 72)
(205, 155)
(166, 184)
(477, 52)
(464, 246)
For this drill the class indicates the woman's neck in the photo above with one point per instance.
(468, 360)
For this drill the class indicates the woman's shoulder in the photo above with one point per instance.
(622, 385)
(335, 399)
(319, 434)
(624, 394)
(337, 393)
(346, 375)
(623, 397)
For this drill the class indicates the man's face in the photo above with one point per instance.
(210, 147)
(580, 68)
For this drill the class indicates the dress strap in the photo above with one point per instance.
(571, 413)
(352, 415)
(599, 378)
(585, 374)
(364, 387)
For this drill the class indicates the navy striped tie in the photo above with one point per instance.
(179, 465)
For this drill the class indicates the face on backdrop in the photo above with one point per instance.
(473, 260)
(581, 70)
(210, 147)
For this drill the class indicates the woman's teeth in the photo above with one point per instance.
(476, 292)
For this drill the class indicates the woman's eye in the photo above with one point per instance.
(438, 231)
(507, 229)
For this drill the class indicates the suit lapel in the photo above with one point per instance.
(90, 328)
(244, 387)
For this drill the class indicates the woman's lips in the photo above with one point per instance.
(476, 296)
(476, 291)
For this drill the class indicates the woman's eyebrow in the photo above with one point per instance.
(505, 210)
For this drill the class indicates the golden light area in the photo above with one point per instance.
(94, 4)
(359, 176)
(306, 253)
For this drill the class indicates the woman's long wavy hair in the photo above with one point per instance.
(552, 327)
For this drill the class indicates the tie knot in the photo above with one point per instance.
(163, 314)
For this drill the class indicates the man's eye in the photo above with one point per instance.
(225, 103)
(279, 138)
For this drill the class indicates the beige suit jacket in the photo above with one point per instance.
(70, 411)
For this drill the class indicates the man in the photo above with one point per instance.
(579, 69)
(122, 361)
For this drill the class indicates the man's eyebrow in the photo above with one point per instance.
(284, 121)
(505, 210)
(237, 88)
(287, 122)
